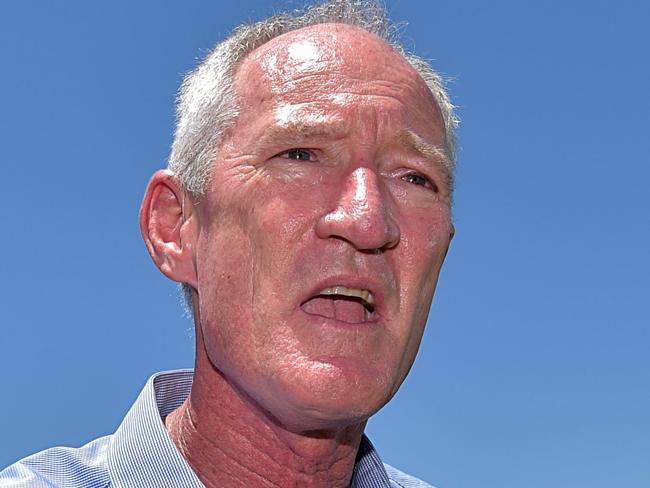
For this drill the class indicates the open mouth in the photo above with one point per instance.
(350, 305)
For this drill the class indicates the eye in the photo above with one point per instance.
(419, 180)
(297, 154)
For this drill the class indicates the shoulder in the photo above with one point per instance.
(399, 479)
(61, 467)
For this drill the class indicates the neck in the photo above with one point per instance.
(230, 441)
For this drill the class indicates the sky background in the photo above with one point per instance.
(535, 368)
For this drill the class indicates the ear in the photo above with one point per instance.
(169, 227)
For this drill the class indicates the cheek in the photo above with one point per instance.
(223, 267)
(282, 221)
(249, 259)
(284, 230)
(423, 246)
(422, 251)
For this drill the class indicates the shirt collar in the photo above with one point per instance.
(141, 452)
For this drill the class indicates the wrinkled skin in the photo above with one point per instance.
(275, 229)
(333, 175)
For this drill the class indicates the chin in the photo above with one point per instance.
(334, 395)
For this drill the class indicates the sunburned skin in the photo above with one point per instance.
(314, 256)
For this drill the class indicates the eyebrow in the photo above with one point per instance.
(333, 129)
(415, 143)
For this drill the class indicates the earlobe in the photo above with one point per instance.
(167, 223)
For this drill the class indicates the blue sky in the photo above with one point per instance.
(534, 370)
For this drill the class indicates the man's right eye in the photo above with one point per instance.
(297, 154)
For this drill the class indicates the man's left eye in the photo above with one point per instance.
(418, 180)
(298, 154)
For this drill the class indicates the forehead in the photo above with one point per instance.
(323, 48)
(330, 63)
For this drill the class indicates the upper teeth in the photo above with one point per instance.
(365, 295)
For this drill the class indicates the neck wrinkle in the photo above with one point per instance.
(228, 441)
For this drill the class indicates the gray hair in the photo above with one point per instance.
(207, 105)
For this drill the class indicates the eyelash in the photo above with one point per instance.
(425, 182)
(309, 154)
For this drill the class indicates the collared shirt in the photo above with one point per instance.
(141, 453)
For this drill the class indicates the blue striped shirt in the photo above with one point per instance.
(141, 453)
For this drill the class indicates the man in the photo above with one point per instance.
(306, 210)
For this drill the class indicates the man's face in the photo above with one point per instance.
(325, 227)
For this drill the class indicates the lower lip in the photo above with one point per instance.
(340, 310)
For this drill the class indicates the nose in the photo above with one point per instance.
(361, 216)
